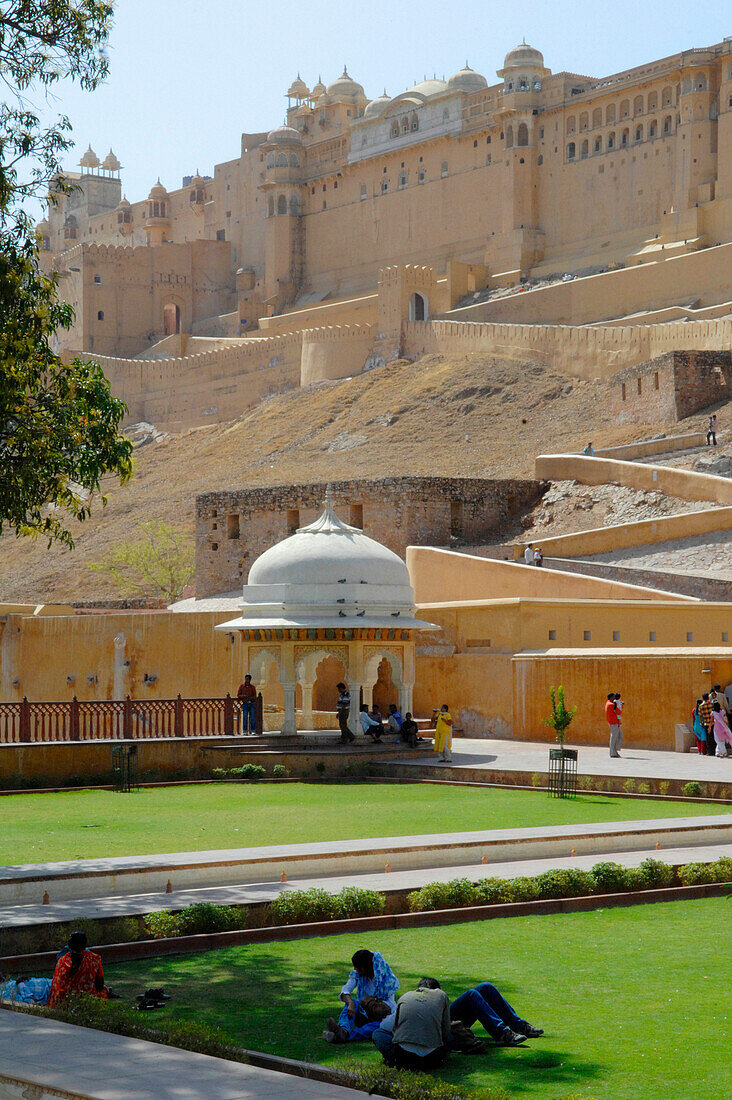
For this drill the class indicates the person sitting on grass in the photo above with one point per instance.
(374, 983)
(486, 1005)
(370, 728)
(418, 1035)
(77, 971)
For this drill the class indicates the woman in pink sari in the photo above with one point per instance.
(721, 730)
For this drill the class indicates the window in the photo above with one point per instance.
(640, 385)
(587, 635)
(552, 635)
(281, 161)
(616, 635)
(652, 636)
(653, 129)
(100, 315)
(622, 388)
(655, 381)
(725, 636)
(509, 137)
(625, 137)
(584, 121)
(522, 136)
(220, 234)
(639, 133)
(611, 140)
(293, 520)
(584, 150)
(653, 101)
(571, 124)
(281, 204)
(214, 546)
(475, 144)
(356, 516)
(97, 279)
(270, 204)
(488, 140)
(610, 113)
(597, 145)
(363, 190)
(232, 525)
(384, 186)
(625, 108)
(541, 133)
(638, 105)
(444, 168)
(421, 176)
(571, 151)
(402, 180)
(597, 117)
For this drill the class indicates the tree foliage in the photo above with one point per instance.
(159, 563)
(59, 424)
(560, 718)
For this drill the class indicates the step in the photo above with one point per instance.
(124, 875)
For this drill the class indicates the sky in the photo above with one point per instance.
(187, 78)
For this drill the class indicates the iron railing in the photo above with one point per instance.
(117, 719)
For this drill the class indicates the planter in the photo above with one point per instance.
(563, 773)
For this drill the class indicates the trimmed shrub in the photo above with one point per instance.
(537, 779)
(664, 787)
(522, 889)
(442, 895)
(565, 882)
(492, 891)
(644, 788)
(629, 786)
(279, 771)
(610, 877)
(195, 920)
(353, 901)
(696, 874)
(691, 789)
(304, 906)
(656, 874)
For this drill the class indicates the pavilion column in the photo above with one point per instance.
(289, 725)
(354, 724)
(406, 687)
(307, 703)
(405, 698)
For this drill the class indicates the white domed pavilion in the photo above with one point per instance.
(328, 590)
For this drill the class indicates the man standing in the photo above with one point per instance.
(247, 696)
(712, 430)
(612, 717)
(529, 554)
(718, 696)
(705, 714)
(343, 710)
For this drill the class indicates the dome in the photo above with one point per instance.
(284, 135)
(523, 56)
(158, 191)
(345, 89)
(376, 106)
(90, 159)
(43, 228)
(197, 180)
(318, 89)
(110, 163)
(298, 89)
(328, 574)
(467, 80)
(123, 205)
(429, 88)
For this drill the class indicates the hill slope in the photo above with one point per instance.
(475, 416)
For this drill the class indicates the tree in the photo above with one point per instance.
(560, 718)
(59, 424)
(160, 563)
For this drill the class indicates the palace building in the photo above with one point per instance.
(535, 173)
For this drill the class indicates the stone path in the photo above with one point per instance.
(705, 555)
(44, 1058)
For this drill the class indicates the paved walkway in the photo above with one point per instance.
(78, 1062)
(493, 754)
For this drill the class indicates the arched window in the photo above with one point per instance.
(610, 113)
(652, 128)
(522, 137)
(270, 205)
(584, 121)
(100, 315)
(625, 136)
(294, 160)
(415, 121)
(653, 101)
(667, 124)
(405, 124)
(584, 150)
(294, 205)
(418, 307)
(597, 146)
(667, 96)
(509, 137)
(625, 108)
(638, 105)
(281, 161)
(639, 133)
(597, 117)
(270, 160)
(281, 204)
(571, 151)
(395, 129)
(571, 124)
(611, 140)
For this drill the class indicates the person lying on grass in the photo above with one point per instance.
(374, 983)
(425, 1026)
(78, 970)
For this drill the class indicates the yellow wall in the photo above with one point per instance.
(686, 484)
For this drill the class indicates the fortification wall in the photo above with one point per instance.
(346, 311)
(340, 351)
(592, 352)
(686, 484)
(672, 387)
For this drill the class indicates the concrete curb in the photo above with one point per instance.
(179, 945)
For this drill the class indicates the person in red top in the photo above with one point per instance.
(612, 717)
(78, 970)
(247, 696)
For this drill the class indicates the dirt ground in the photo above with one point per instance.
(476, 416)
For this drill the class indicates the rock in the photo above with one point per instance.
(719, 465)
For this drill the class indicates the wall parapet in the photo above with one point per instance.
(686, 484)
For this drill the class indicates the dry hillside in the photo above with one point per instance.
(476, 416)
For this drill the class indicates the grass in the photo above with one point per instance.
(94, 824)
(635, 1002)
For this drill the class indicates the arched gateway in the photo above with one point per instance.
(329, 591)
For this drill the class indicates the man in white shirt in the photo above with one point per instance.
(529, 554)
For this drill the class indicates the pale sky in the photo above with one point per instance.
(187, 78)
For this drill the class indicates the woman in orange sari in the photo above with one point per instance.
(78, 970)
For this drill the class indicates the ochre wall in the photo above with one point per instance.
(686, 484)
(446, 576)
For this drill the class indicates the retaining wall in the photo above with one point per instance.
(686, 484)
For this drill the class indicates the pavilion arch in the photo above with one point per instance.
(638, 105)
(625, 108)
(405, 124)
(653, 101)
(260, 664)
(597, 117)
(281, 161)
(419, 307)
(294, 160)
(584, 121)
(667, 96)
(653, 128)
(522, 136)
(373, 663)
(270, 160)
(610, 113)
(270, 206)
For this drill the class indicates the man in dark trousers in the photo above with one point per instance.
(343, 709)
(247, 696)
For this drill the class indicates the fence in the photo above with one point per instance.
(115, 719)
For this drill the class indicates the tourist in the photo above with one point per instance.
(443, 733)
(410, 730)
(376, 716)
(705, 713)
(25, 991)
(612, 717)
(529, 554)
(728, 696)
(247, 696)
(718, 696)
(589, 450)
(418, 1035)
(394, 721)
(485, 1004)
(77, 971)
(699, 729)
(375, 984)
(712, 430)
(343, 710)
(370, 728)
(538, 557)
(722, 732)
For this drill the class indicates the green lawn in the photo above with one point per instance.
(635, 1002)
(88, 824)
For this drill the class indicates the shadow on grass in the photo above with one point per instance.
(278, 1003)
